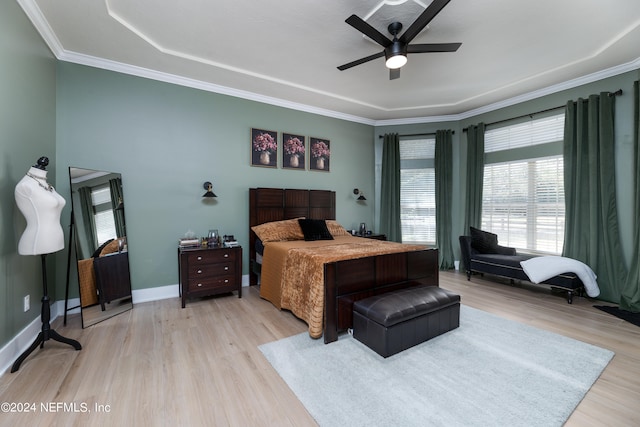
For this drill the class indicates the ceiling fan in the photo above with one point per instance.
(396, 50)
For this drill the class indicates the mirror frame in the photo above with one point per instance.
(104, 280)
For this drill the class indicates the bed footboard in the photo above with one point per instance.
(354, 279)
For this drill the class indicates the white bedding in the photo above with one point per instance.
(542, 268)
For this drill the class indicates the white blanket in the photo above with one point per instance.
(542, 268)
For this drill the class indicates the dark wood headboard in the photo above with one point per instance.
(276, 204)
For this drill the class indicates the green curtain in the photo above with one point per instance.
(444, 182)
(390, 188)
(630, 298)
(591, 230)
(86, 208)
(475, 175)
(115, 187)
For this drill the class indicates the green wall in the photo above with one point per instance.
(27, 132)
(167, 140)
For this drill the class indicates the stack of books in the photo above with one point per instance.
(189, 243)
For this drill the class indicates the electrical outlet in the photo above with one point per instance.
(27, 304)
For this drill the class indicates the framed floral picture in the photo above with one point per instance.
(319, 154)
(264, 148)
(293, 151)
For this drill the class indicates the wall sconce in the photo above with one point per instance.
(358, 192)
(209, 187)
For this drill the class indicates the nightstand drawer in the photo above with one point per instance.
(210, 283)
(208, 270)
(208, 257)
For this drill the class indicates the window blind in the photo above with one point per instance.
(523, 199)
(417, 190)
(530, 133)
(103, 213)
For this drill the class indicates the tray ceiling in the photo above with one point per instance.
(286, 52)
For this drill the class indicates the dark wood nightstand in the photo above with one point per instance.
(209, 271)
(375, 236)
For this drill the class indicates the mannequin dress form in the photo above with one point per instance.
(41, 206)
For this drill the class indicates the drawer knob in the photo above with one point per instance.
(226, 255)
(199, 271)
(226, 280)
(226, 268)
(199, 284)
(199, 258)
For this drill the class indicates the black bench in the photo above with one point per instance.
(506, 263)
(392, 322)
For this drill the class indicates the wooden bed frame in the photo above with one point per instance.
(345, 281)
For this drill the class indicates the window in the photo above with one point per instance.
(103, 213)
(523, 190)
(417, 190)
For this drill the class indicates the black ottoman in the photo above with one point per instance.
(392, 322)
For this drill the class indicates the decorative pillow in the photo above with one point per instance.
(277, 231)
(336, 229)
(315, 229)
(110, 248)
(483, 241)
(98, 251)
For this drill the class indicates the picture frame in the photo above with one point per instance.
(264, 148)
(319, 154)
(294, 149)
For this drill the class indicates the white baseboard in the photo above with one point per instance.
(25, 337)
(154, 294)
(18, 344)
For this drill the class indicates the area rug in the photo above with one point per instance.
(630, 317)
(488, 372)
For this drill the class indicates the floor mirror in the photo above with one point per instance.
(101, 247)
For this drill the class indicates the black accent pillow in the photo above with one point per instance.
(315, 229)
(483, 241)
(96, 254)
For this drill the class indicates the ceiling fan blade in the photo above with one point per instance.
(423, 20)
(433, 47)
(361, 61)
(394, 74)
(366, 29)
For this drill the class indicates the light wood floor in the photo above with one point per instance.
(160, 365)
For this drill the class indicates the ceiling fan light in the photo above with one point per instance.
(396, 61)
(395, 55)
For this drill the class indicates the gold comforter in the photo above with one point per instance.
(292, 274)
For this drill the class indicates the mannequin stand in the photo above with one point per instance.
(46, 333)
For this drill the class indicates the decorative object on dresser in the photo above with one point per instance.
(209, 271)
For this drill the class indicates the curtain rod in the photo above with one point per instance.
(616, 93)
(417, 134)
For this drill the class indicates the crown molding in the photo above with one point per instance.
(224, 90)
(36, 17)
(42, 26)
(133, 70)
(569, 84)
